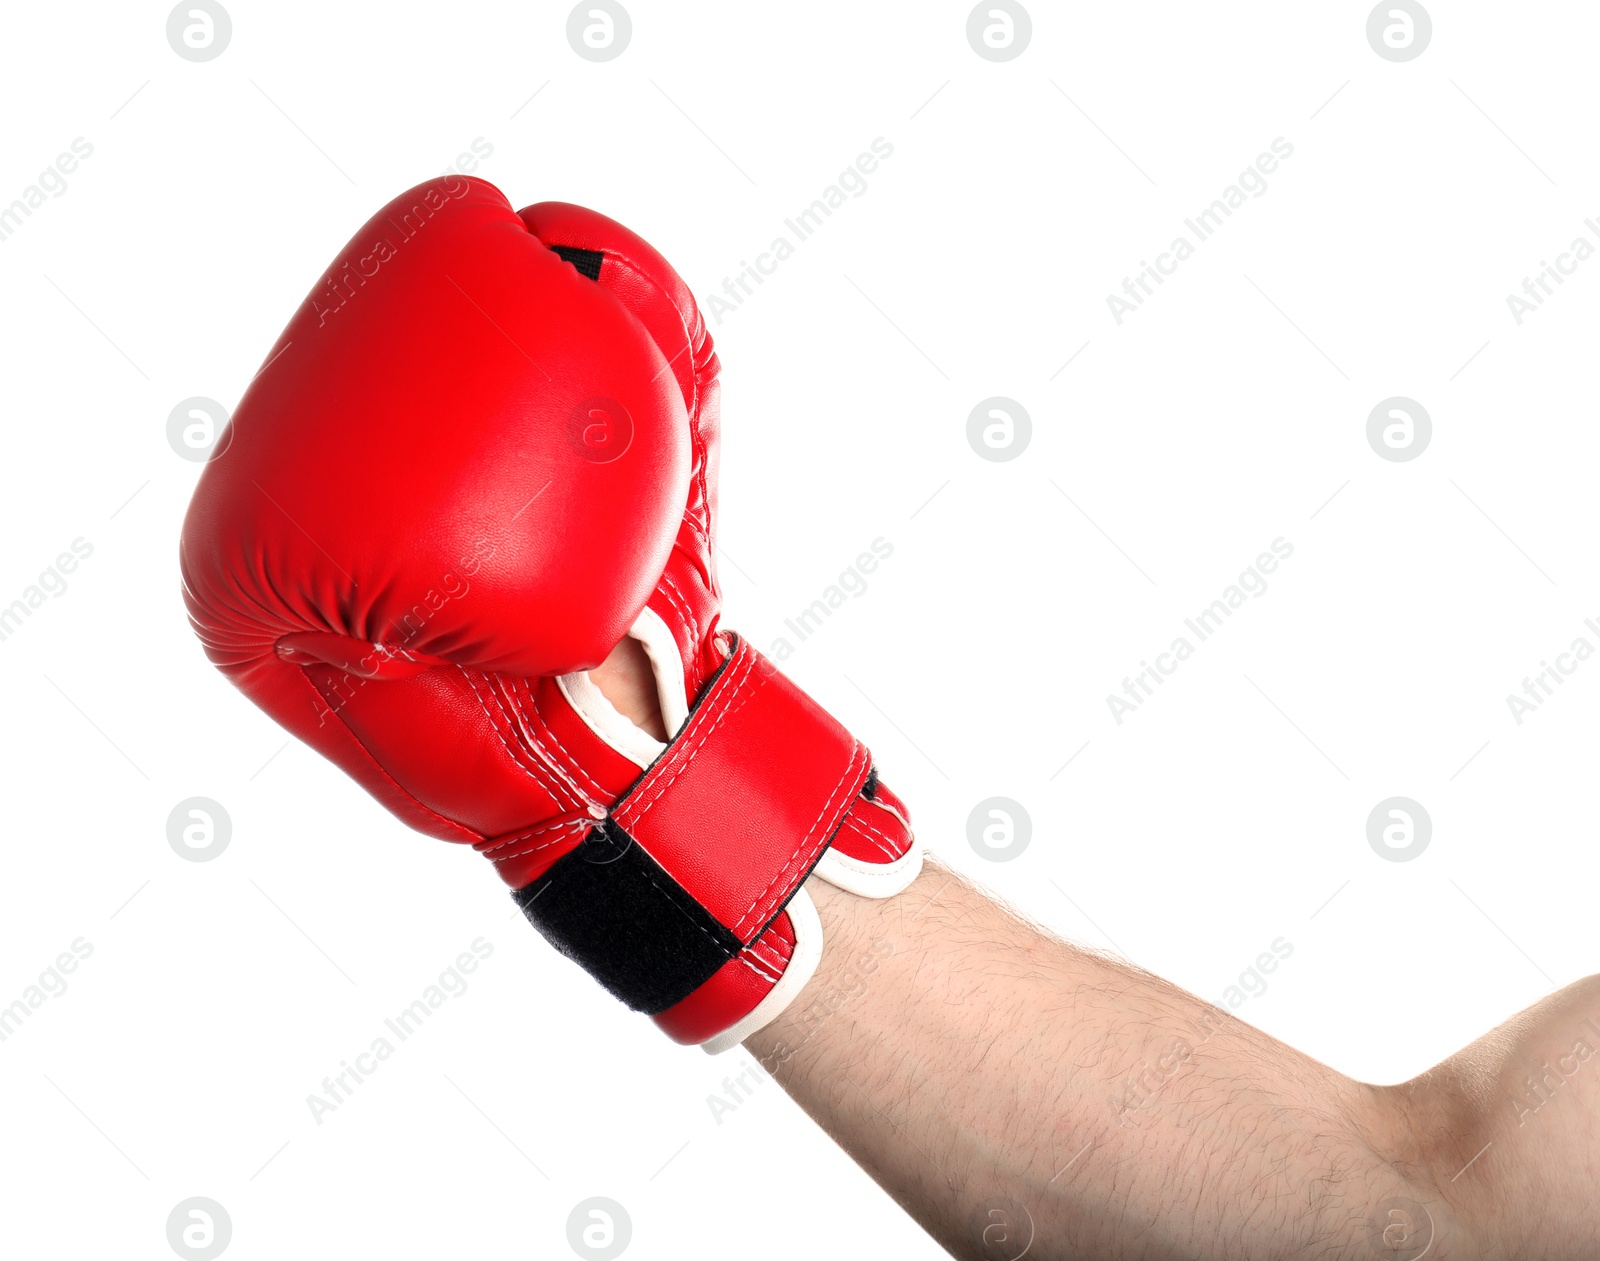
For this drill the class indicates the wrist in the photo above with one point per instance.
(863, 940)
(626, 679)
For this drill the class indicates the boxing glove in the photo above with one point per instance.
(483, 450)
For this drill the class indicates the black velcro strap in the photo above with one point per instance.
(586, 261)
(615, 912)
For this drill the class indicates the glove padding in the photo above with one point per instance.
(444, 498)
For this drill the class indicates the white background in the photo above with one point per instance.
(1227, 812)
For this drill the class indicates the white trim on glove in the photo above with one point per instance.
(601, 716)
(802, 966)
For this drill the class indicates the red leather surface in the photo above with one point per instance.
(735, 988)
(873, 833)
(687, 596)
(406, 529)
(742, 803)
(401, 474)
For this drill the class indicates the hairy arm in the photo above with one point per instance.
(1013, 1092)
(1021, 1096)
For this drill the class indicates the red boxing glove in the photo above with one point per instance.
(483, 451)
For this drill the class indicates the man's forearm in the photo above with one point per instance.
(1006, 1087)
(1015, 1093)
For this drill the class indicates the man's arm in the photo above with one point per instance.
(1018, 1094)
(1006, 1087)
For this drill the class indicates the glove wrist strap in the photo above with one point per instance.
(708, 846)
